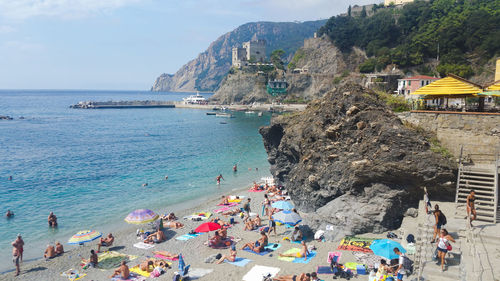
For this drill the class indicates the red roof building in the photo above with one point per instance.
(408, 85)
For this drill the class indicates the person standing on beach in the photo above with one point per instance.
(218, 178)
(20, 246)
(16, 256)
(440, 221)
(471, 209)
(400, 271)
(246, 207)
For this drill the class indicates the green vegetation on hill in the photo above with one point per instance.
(409, 36)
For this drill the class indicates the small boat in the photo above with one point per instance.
(195, 99)
(249, 112)
(260, 114)
(222, 122)
(227, 115)
(211, 113)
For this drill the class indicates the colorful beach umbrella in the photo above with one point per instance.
(207, 227)
(84, 236)
(141, 216)
(282, 205)
(385, 248)
(287, 217)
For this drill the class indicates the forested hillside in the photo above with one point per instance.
(455, 31)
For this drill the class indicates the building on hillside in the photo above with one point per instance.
(497, 71)
(408, 85)
(252, 51)
(277, 87)
(397, 2)
(382, 81)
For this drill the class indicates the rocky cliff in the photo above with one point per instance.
(347, 160)
(206, 71)
(244, 88)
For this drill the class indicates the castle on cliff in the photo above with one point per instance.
(252, 51)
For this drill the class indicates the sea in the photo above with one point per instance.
(88, 166)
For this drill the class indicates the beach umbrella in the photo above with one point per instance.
(207, 227)
(141, 216)
(385, 248)
(84, 236)
(287, 217)
(282, 205)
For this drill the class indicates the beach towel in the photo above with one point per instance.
(223, 209)
(234, 200)
(73, 274)
(166, 258)
(203, 215)
(351, 243)
(111, 259)
(132, 277)
(272, 247)
(187, 236)
(139, 271)
(324, 270)
(258, 272)
(142, 245)
(197, 273)
(352, 265)
(233, 197)
(252, 190)
(311, 255)
(333, 255)
(241, 262)
(293, 251)
(262, 253)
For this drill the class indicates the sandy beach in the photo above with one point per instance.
(193, 250)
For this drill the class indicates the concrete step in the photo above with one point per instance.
(476, 187)
(466, 183)
(478, 171)
(464, 194)
(473, 176)
(481, 201)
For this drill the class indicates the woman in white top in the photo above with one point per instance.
(443, 246)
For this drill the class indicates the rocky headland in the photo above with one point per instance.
(349, 161)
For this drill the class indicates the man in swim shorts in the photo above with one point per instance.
(105, 242)
(16, 256)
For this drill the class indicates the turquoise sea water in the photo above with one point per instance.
(88, 166)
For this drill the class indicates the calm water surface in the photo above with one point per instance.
(88, 166)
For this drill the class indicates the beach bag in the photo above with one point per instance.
(218, 256)
(442, 218)
(407, 265)
(319, 235)
(410, 238)
(449, 247)
(231, 221)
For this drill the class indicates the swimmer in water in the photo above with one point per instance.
(218, 178)
(144, 184)
(166, 177)
(9, 214)
(235, 168)
(10, 178)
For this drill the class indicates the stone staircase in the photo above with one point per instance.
(425, 267)
(484, 181)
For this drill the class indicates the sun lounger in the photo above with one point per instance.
(241, 262)
(258, 272)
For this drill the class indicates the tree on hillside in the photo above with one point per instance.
(363, 12)
(349, 11)
(277, 58)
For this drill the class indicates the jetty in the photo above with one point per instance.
(180, 104)
(122, 104)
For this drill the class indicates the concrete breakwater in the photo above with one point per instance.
(122, 104)
(179, 104)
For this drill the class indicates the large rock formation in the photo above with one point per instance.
(347, 160)
(243, 88)
(207, 71)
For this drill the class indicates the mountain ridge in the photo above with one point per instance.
(206, 71)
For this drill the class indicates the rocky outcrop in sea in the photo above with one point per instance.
(349, 161)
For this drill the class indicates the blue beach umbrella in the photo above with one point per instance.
(385, 248)
(287, 217)
(283, 205)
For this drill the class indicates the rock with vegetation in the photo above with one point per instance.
(207, 71)
(348, 161)
(242, 88)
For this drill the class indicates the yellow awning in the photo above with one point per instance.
(451, 86)
(494, 87)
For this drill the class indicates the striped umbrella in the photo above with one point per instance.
(84, 236)
(287, 217)
(282, 205)
(141, 216)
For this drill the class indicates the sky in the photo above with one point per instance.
(125, 44)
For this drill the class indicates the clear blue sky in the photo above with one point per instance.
(125, 44)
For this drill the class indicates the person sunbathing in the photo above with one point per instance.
(224, 201)
(156, 237)
(50, 252)
(105, 242)
(59, 249)
(147, 265)
(304, 252)
(232, 212)
(215, 241)
(301, 277)
(231, 257)
(223, 233)
(220, 222)
(123, 271)
(169, 217)
(249, 225)
(257, 220)
(173, 224)
(166, 254)
(259, 245)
